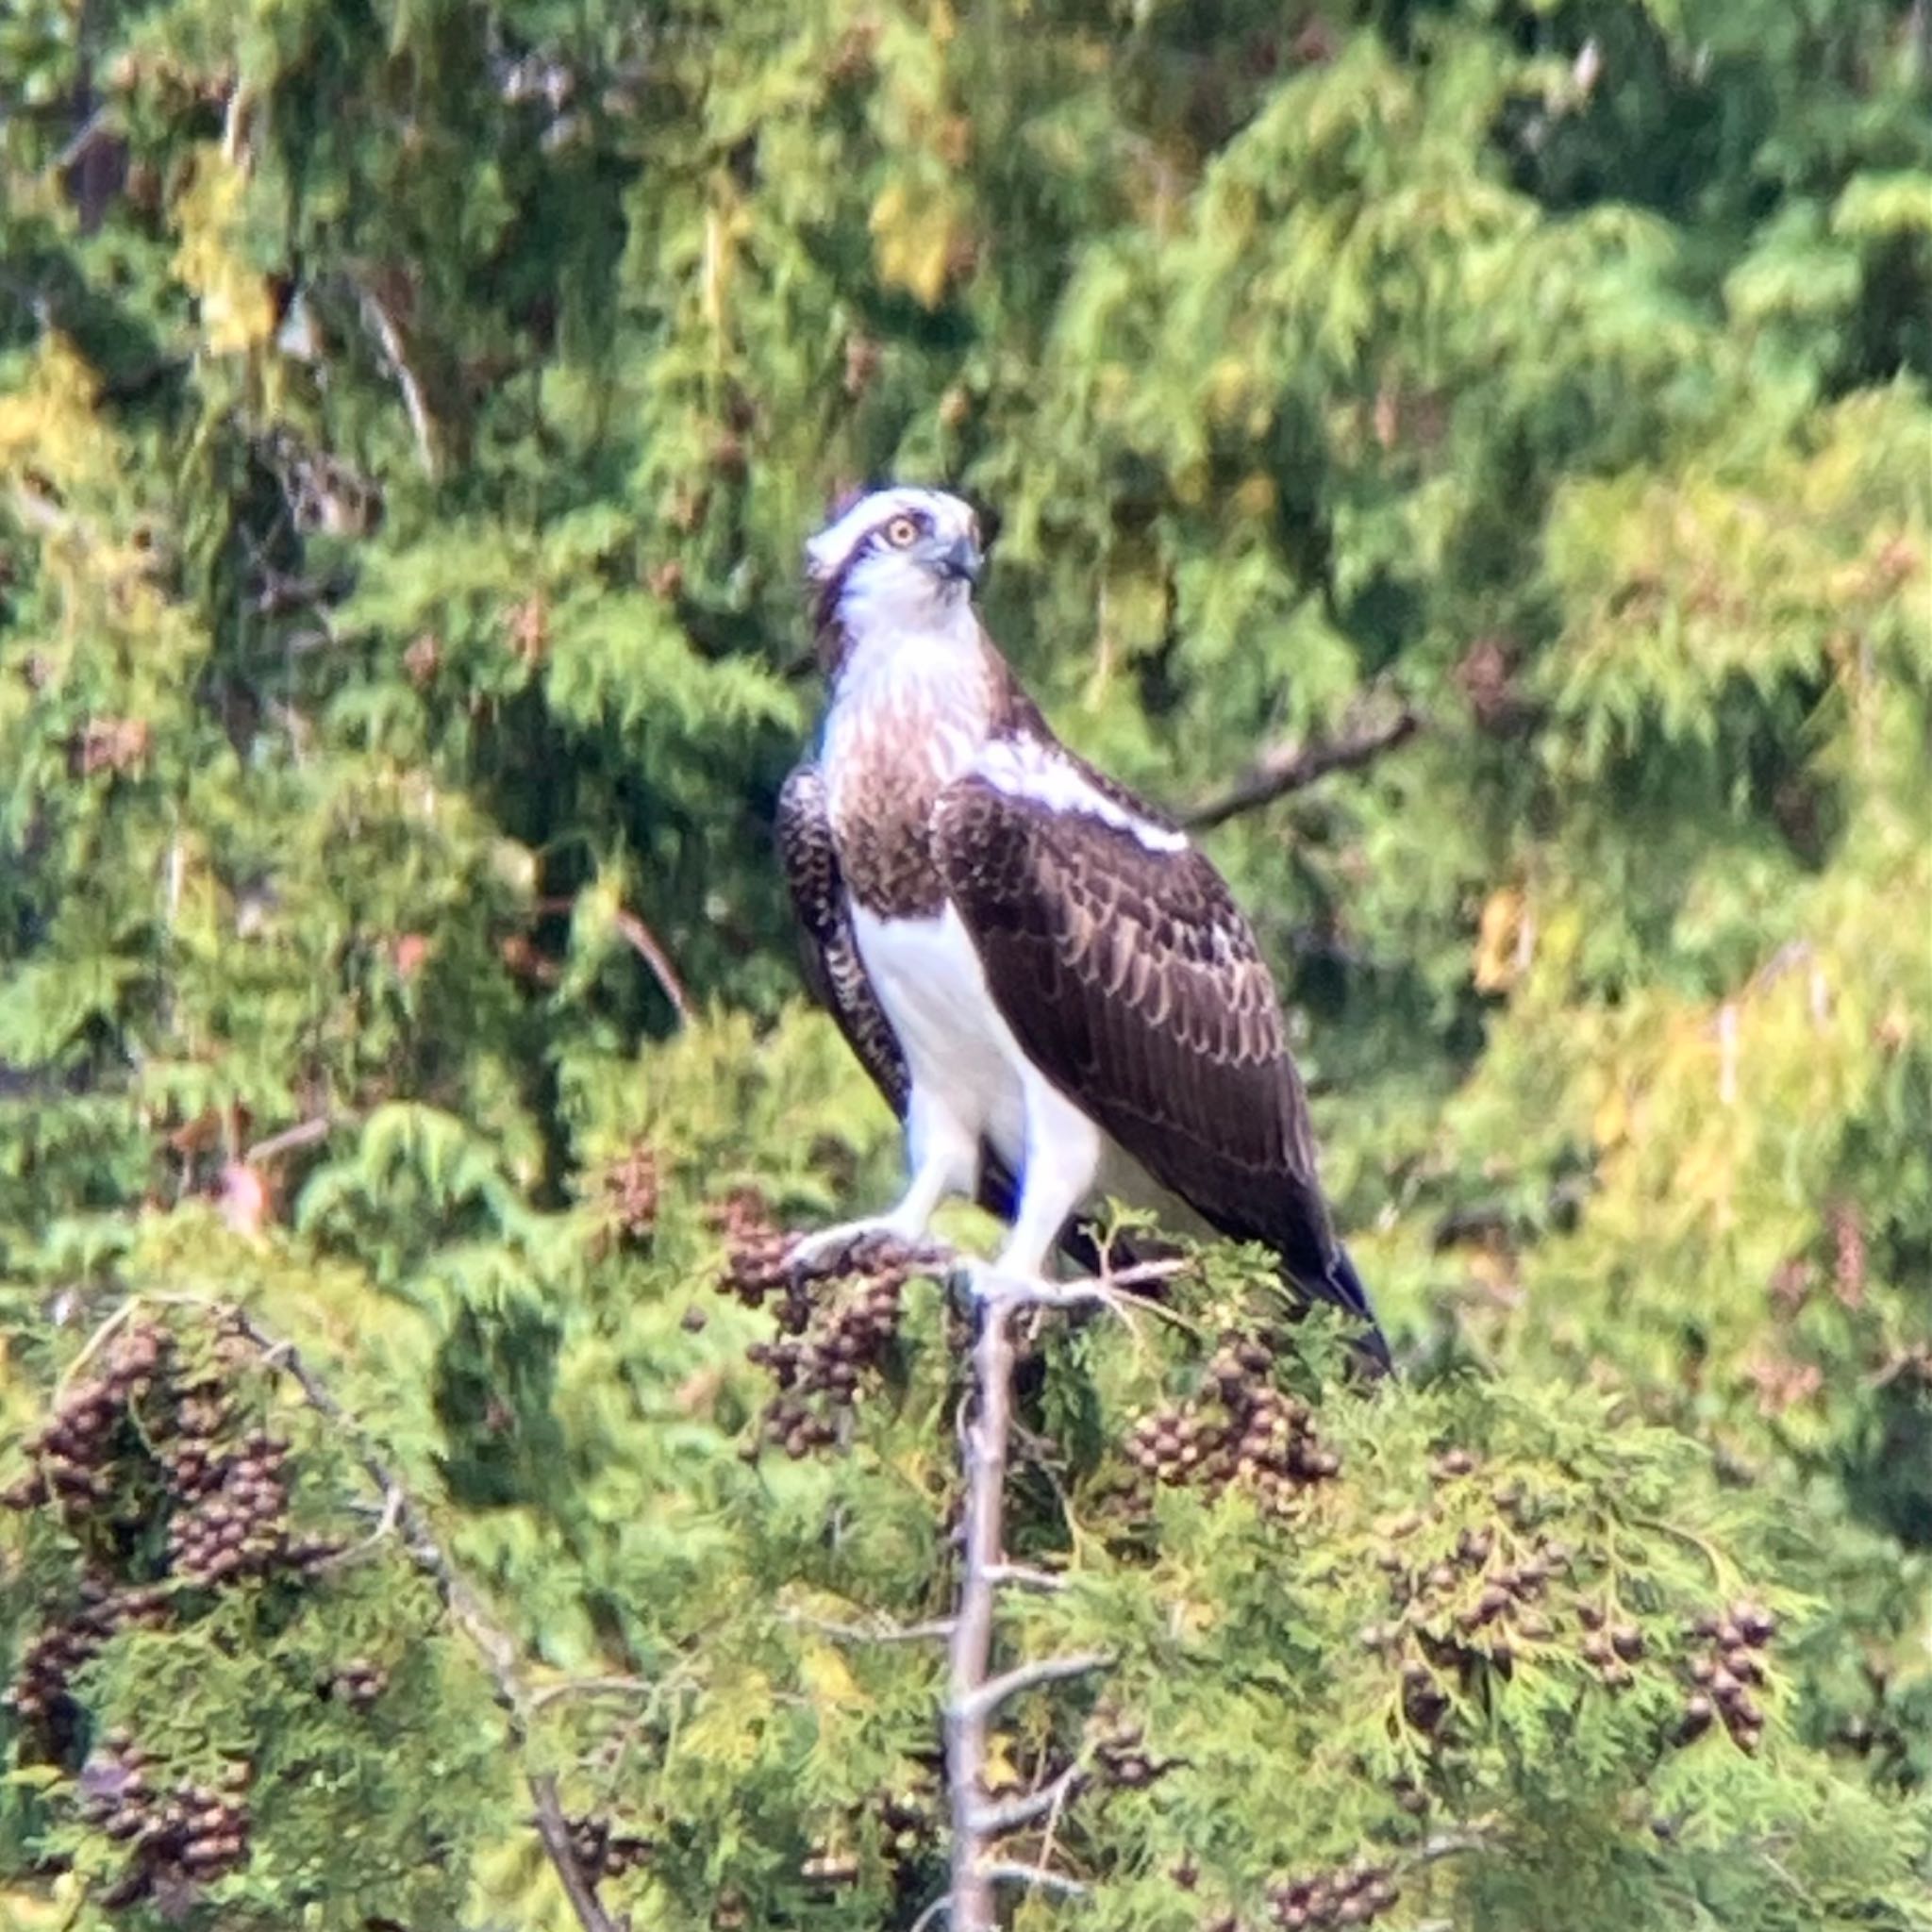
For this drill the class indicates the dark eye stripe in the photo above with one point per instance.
(874, 544)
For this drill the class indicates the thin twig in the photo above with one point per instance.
(591, 1687)
(553, 1827)
(1011, 1872)
(83, 138)
(1009, 1814)
(942, 1903)
(1110, 1290)
(422, 425)
(387, 1518)
(95, 1342)
(882, 1632)
(1477, 1837)
(494, 1644)
(994, 1691)
(1284, 768)
(1021, 1576)
(653, 955)
(642, 941)
(302, 1134)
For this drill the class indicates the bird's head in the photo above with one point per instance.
(901, 559)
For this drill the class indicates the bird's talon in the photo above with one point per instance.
(840, 1250)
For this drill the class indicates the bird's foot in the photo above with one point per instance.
(1000, 1280)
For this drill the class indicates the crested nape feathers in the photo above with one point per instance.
(1050, 984)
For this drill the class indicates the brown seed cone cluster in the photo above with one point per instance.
(1353, 1894)
(1239, 1429)
(1122, 1760)
(40, 1687)
(838, 1319)
(360, 1684)
(186, 1834)
(1356, 1894)
(1505, 1589)
(630, 1190)
(1725, 1671)
(75, 1449)
(150, 1436)
(1501, 1588)
(231, 1514)
(604, 1851)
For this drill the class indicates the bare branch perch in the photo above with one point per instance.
(984, 1440)
(1290, 767)
(972, 1694)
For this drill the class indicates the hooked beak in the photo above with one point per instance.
(959, 561)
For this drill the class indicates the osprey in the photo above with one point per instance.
(1052, 987)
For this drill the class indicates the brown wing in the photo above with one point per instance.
(1131, 978)
(833, 969)
(836, 978)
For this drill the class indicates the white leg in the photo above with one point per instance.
(943, 1154)
(1063, 1149)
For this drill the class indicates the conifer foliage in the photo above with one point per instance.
(1473, 458)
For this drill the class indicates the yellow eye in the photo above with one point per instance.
(901, 532)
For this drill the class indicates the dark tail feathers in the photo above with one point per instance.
(1343, 1286)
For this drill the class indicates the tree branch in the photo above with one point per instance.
(1011, 1813)
(1290, 767)
(494, 1644)
(1020, 1577)
(1011, 1872)
(985, 1445)
(994, 1691)
(644, 943)
(653, 955)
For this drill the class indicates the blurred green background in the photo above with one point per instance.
(410, 419)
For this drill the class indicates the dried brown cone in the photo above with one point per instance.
(1722, 1662)
(631, 1188)
(1240, 1429)
(838, 1322)
(757, 1252)
(186, 1833)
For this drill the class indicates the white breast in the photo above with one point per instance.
(968, 1070)
(960, 1052)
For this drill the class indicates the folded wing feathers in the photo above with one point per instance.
(833, 968)
(1129, 976)
(1120, 959)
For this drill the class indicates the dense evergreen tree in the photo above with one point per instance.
(1513, 417)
